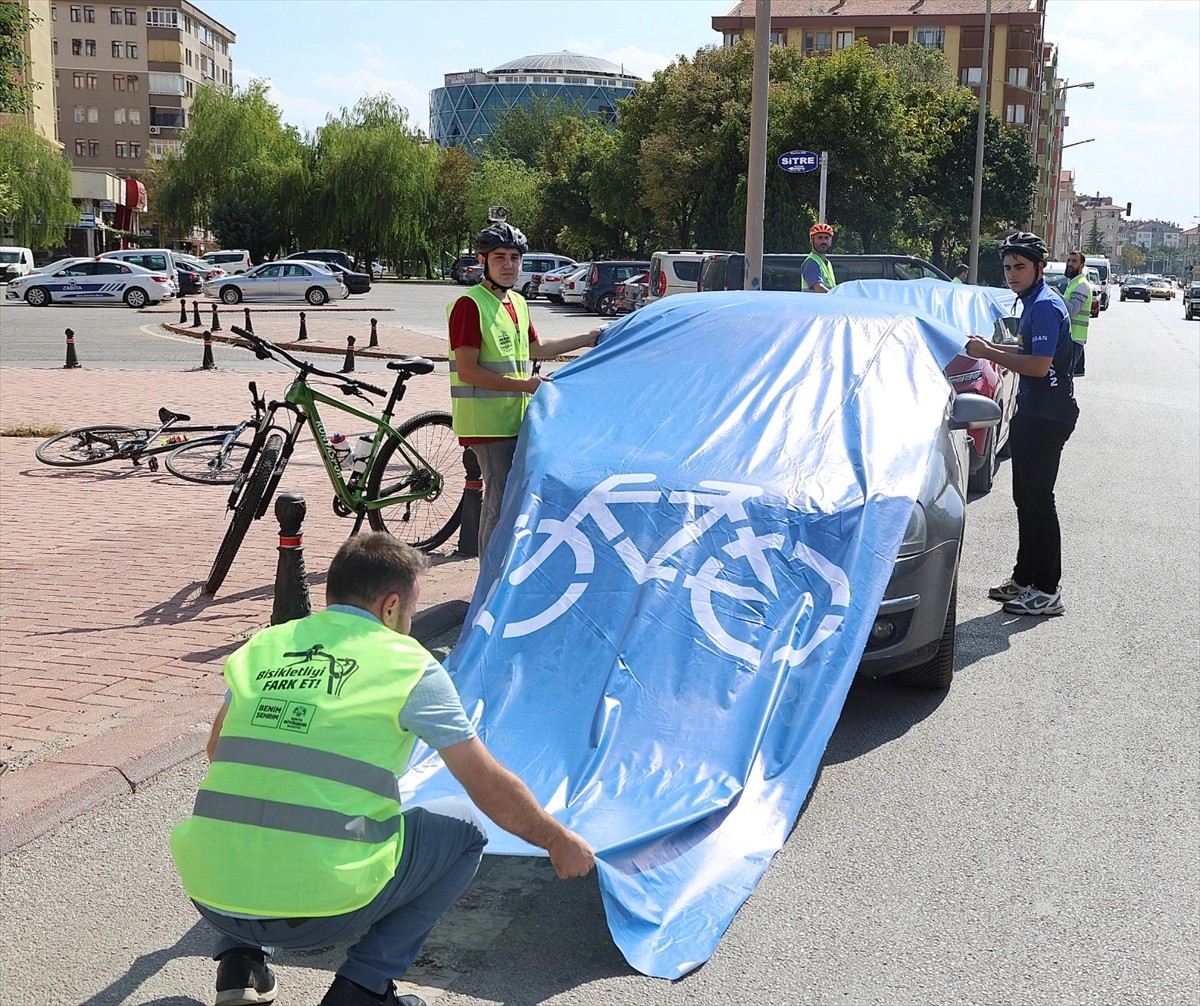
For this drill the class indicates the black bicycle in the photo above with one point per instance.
(407, 480)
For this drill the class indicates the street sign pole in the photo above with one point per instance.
(824, 182)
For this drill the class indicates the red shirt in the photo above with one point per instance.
(465, 331)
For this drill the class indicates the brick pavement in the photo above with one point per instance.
(110, 655)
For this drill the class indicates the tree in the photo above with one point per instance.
(1131, 258)
(451, 231)
(525, 133)
(498, 181)
(16, 87)
(35, 187)
(1095, 243)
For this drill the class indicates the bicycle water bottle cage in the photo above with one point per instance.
(165, 415)
(411, 365)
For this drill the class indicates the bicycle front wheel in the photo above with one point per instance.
(208, 464)
(244, 512)
(87, 445)
(424, 523)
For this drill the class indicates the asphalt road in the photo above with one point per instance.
(1029, 837)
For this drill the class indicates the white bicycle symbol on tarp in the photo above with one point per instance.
(709, 504)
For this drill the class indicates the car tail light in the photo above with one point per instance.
(161, 279)
(662, 285)
(536, 278)
(594, 275)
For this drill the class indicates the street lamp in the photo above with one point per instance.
(1066, 87)
(1078, 143)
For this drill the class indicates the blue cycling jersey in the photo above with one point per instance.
(1045, 330)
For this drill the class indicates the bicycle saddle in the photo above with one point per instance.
(165, 415)
(411, 365)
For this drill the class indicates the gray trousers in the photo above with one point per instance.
(495, 461)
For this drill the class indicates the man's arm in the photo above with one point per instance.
(215, 733)
(1079, 298)
(1019, 363)
(812, 277)
(545, 348)
(466, 359)
(508, 802)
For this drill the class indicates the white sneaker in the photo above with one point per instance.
(1036, 602)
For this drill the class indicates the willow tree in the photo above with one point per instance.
(35, 187)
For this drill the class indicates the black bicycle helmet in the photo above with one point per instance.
(500, 235)
(1024, 243)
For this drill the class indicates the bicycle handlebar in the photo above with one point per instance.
(264, 349)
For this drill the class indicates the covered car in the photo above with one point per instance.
(685, 576)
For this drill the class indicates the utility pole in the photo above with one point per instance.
(756, 171)
(977, 197)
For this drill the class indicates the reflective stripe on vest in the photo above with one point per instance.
(299, 815)
(503, 349)
(826, 268)
(1079, 321)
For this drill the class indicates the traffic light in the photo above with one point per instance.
(1128, 209)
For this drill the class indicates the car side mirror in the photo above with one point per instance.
(973, 412)
(1005, 333)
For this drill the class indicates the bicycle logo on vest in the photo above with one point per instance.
(335, 669)
(706, 508)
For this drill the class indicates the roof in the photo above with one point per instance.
(855, 9)
(561, 62)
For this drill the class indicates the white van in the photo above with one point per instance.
(157, 260)
(534, 265)
(675, 271)
(14, 262)
(1104, 268)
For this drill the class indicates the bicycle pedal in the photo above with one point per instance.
(153, 463)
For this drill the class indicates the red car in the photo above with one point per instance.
(1000, 385)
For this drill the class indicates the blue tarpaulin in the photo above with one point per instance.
(972, 310)
(701, 520)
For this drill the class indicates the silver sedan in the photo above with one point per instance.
(279, 281)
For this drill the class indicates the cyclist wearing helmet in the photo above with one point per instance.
(492, 342)
(817, 272)
(1045, 419)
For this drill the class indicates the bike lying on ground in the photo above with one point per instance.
(407, 480)
(209, 454)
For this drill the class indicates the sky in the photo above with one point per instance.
(322, 55)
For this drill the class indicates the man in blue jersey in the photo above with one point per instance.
(1045, 419)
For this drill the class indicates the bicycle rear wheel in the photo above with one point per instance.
(244, 512)
(87, 445)
(423, 523)
(208, 464)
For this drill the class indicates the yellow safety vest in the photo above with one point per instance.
(826, 268)
(1079, 321)
(299, 815)
(481, 412)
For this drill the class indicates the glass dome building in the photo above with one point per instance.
(469, 104)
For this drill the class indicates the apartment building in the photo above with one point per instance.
(36, 67)
(128, 74)
(1098, 212)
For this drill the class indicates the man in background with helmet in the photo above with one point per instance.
(492, 342)
(817, 272)
(1045, 419)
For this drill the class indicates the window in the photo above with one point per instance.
(162, 17)
(116, 50)
(187, 56)
(80, 149)
(118, 82)
(115, 15)
(972, 76)
(76, 47)
(818, 41)
(778, 38)
(92, 81)
(130, 15)
(1015, 114)
(89, 15)
(1018, 76)
(89, 47)
(135, 148)
(93, 114)
(845, 39)
(93, 148)
(166, 83)
(80, 112)
(135, 116)
(131, 50)
(121, 148)
(930, 38)
(118, 116)
(76, 13)
(77, 79)
(54, 47)
(134, 81)
(54, 13)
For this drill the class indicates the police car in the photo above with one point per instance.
(92, 281)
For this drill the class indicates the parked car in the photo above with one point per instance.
(461, 265)
(726, 270)
(93, 281)
(551, 284)
(1136, 288)
(631, 293)
(1055, 275)
(603, 278)
(472, 274)
(354, 282)
(376, 270)
(534, 265)
(187, 281)
(675, 271)
(1191, 302)
(1161, 289)
(234, 261)
(158, 260)
(310, 281)
(206, 270)
(14, 262)
(326, 255)
(575, 285)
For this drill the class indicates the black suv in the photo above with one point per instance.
(600, 295)
(343, 266)
(727, 270)
(1191, 301)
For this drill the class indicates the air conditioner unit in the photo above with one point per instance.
(155, 130)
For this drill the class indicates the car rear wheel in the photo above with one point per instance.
(136, 297)
(980, 480)
(37, 296)
(939, 671)
(525, 290)
(231, 295)
(316, 296)
(607, 306)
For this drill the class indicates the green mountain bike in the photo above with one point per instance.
(407, 480)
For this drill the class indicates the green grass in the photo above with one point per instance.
(49, 430)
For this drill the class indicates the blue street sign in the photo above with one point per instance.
(798, 162)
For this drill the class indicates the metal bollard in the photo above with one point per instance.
(72, 359)
(291, 581)
(207, 361)
(183, 310)
(374, 335)
(303, 329)
(196, 322)
(472, 504)
(216, 320)
(348, 363)
(248, 326)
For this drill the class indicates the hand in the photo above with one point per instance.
(571, 856)
(977, 348)
(531, 385)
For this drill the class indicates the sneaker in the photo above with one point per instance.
(1036, 602)
(344, 992)
(1009, 590)
(244, 978)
